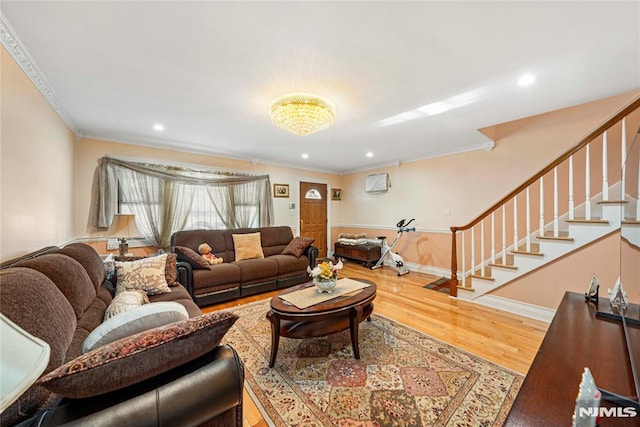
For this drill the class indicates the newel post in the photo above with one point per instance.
(453, 283)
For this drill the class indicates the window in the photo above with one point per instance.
(313, 194)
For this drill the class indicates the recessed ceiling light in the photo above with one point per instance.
(526, 80)
(369, 154)
(159, 127)
(305, 156)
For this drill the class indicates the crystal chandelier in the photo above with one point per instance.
(302, 113)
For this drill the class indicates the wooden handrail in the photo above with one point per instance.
(453, 282)
(564, 156)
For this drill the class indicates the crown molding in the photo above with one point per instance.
(489, 145)
(19, 53)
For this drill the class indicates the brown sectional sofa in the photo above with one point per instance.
(60, 296)
(234, 279)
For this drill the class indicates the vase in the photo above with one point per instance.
(325, 285)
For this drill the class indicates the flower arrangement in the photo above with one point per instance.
(326, 270)
(325, 275)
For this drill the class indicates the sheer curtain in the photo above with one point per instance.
(162, 197)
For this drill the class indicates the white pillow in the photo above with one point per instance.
(139, 319)
(125, 301)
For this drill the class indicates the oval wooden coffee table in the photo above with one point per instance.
(335, 315)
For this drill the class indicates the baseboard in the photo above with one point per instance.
(427, 269)
(521, 308)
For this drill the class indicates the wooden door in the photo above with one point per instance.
(313, 214)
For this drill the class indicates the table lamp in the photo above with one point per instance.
(123, 226)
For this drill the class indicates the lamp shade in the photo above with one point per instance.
(23, 358)
(123, 225)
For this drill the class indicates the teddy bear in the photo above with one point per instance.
(207, 255)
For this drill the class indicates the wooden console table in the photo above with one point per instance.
(577, 339)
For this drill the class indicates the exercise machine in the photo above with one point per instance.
(387, 256)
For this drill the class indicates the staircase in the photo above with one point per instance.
(503, 244)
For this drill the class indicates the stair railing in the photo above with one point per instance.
(510, 222)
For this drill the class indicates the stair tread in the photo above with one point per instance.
(587, 221)
(612, 202)
(630, 221)
(501, 265)
(562, 235)
(486, 276)
(534, 249)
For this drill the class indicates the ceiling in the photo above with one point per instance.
(208, 71)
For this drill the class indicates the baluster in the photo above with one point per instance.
(555, 202)
(623, 191)
(463, 261)
(504, 235)
(605, 168)
(571, 187)
(638, 195)
(515, 223)
(473, 251)
(528, 222)
(587, 185)
(482, 248)
(541, 232)
(493, 237)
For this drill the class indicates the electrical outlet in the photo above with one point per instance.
(447, 211)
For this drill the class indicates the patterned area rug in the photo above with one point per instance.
(440, 285)
(404, 377)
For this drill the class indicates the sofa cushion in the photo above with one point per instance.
(275, 239)
(69, 276)
(147, 274)
(138, 357)
(180, 295)
(297, 246)
(217, 275)
(27, 297)
(89, 259)
(247, 246)
(290, 263)
(192, 257)
(170, 269)
(141, 318)
(255, 269)
(125, 301)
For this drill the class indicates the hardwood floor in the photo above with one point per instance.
(504, 338)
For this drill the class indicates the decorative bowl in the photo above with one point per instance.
(325, 285)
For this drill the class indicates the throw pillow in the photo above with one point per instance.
(125, 301)
(247, 246)
(192, 257)
(297, 246)
(138, 357)
(146, 274)
(136, 320)
(170, 269)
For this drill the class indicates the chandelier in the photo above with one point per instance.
(302, 113)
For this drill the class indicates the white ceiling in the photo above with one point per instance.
(209, 70)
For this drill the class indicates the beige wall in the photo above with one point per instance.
(36, 169)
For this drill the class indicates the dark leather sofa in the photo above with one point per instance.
(234, 279)
(60, 296)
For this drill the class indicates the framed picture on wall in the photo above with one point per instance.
(336, 194)
(280, 190)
